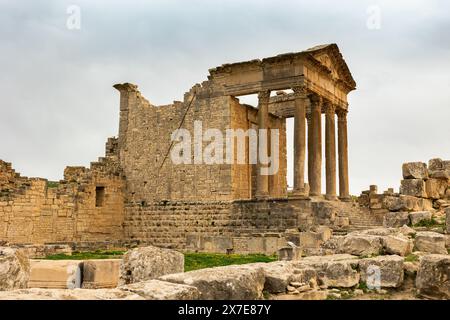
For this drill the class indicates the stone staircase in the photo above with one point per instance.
(364, 219)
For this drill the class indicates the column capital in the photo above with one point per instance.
(264, 96)
(316, 101)
(329, 109)
(342, 114)
(300, 91)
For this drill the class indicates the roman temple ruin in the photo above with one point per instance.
(136, 194)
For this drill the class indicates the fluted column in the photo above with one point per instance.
(315, 175)
(301, 101)
(343, 155)
(330, 151)
(262, 181)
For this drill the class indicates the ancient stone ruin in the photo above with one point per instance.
(136, 195)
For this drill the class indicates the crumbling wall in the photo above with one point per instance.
(34, 210)
(423, 188)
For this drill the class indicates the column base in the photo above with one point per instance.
(331, 197)
(315, 194)
(262, 196)
(299, 194)
(345, 198)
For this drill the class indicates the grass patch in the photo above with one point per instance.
(192, 261)
(195, 261)
(363, 286)
(77, 255)
(52, 184)
(429, 223)
(411, 258)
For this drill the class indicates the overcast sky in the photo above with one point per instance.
(58, 106)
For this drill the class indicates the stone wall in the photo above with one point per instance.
(87, 205)
(152, 176)
(423, 188)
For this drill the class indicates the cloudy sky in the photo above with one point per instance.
(58, 105)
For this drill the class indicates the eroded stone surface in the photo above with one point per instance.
(245, 282)
(430, 242)
(148, 263)
(14, 269)
(433, 276)
(389, 269)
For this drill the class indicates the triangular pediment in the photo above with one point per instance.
(330, 57)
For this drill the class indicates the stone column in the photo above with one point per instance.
(262, 181)
(330, 151)
(315, 149)
(308, 118)
(301, 101)
(343, 155)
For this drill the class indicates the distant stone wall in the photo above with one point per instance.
(86, 206)
(423, 188)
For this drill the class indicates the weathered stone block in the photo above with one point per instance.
(396, 244)
(101, 273)
(418, 216)
(385, 271)
(245, 282)
(415, 170)
(435, 188)
(148, 263)
(432, 279)
(396, 219)
(69, 294)
(162, 290)
(361, 245)
(289, 253)
(431, 242)
(14, 269)
(413, 187)
(55, 274)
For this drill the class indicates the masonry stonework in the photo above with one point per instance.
(137, 193)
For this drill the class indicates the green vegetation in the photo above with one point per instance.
(52, 184)
(192, 261)
(363, 286)
(195, 261)
(429, 223)
(76, 255)
(411, 258)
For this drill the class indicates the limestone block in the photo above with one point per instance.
(69, 294)
(385, 271)
(148, 263)
(435, 188)
(238, 282)
(55, 274)
(361, 245)
(14, 269)
(440, 174)
(310, 239)
(101, 273)
(415, 170)
(432, 279)
(290, 253)
(401, 203)
(338, 270)
(396, 219)
(278, 275)
(413, 187)
(162, 290)
(397, 244)
(407, 231)
(340, 274)
(418, 216)
(431, 242)
(435, 164)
